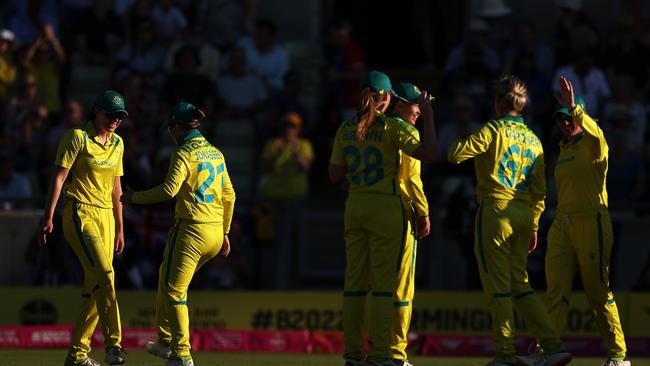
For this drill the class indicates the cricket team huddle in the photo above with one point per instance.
(378, 153)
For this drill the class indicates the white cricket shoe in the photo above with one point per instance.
(158, 349)
(115, 355)
(541, 359)
(86, 362)
(179, 362)
(617, 363)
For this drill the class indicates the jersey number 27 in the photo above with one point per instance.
(200, 193)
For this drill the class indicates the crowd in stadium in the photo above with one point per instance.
(220, 56)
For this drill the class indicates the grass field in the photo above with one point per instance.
(140, 358)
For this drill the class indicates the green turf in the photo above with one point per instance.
(140, 358)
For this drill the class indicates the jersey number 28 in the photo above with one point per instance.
(372, 162)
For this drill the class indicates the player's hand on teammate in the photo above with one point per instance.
(533, 242)
(225, 247)
(424, 226)
(126, 196)
(119, 242)
(46, 229)
(565, 97)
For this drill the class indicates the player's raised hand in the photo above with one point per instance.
(225, 247)
(533, 242)
(565, 97)
(46, 229)
(424, 102)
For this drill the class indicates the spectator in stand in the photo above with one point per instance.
(265, 56)
(625, 102)
(240, 92)
(29, 18)
(572, 17)
(476, 39)
(286, 161)
(15, 188)
(526, 42)
(20, 107)
(226, 21)
(45, 68)
(462, 124)
(346, 66)
(187, 83)
(142, 56)
(624, 53)
(98, 32)
(170, 20)
(287, 100)
(8, 69)
(588, 79)
(73, 115)
(209, 56)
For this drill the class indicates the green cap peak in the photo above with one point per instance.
(377, 81)
(578, 100)
(110, 101)
(184, 114)
(407, 92)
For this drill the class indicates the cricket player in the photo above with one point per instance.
(511, 187)
(581, 238)
(405, 109)
(366, 152)
(205, 200)
(92, 221)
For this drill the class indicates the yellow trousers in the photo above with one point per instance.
(405, 291)
(503, 233)
(584, 243)
(90, 231)
(376, 228)
(189, 246)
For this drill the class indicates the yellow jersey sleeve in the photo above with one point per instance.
(591, 128)
(476, 144)
(411, 182)
(404, 136)
(228, 200)
(69, 148)
(176, 175)
(538, 189)
(119, 171)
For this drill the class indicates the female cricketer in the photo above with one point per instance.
(511, 187)
(366, 152)
(405, 109)
(581, 237)
(92, 221)
(205, 200)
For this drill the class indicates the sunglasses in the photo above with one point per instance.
(115, 115)
(561, 117)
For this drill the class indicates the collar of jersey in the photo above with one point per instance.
(190, 135)
(92, 133)
(513, 118)
(566, 141)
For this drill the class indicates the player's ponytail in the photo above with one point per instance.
(511, 93)
(367, 110)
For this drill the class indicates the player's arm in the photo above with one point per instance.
(415, 191)
(228, 200)
(537, 195)
(117, 214)
(66, 155)
(428, 149)
(338, 166)
(590, 127)
(472, 146)
(176, 175)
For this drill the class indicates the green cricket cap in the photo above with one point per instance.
(578, 100)
(184, 114)
(377, 81)
(111, 101)
(407, 92)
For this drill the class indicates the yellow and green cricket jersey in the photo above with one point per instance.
(509, 162)
(410, 180)
(199, 180)
(581, 168)
(374, 164)
(93, 165)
